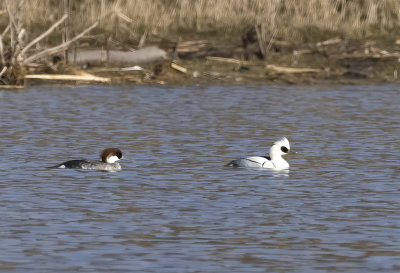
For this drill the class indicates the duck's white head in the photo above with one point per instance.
(111, 155)
(279, 148)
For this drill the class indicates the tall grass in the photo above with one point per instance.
(288, 19)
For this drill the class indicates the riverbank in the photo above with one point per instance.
(333, 61)
(219, 42)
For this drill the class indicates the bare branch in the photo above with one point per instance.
(142, 39)
(270, 41)
(2, 50)
(3, 71)
(56, 49)
(10, 13)
(44, 34)
(21, 35)
(11, 24)
(6, 30)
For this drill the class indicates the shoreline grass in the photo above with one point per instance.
(291, 20)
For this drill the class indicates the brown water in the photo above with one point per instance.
(174, 207)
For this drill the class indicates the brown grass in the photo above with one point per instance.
(296, 20)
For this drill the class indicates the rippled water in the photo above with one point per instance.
(174, 207)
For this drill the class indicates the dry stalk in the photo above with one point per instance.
(57, 49)
(44, 34)
(6, 30)
(16, 30)
(271, 41)
(261, 41)
(2, 50)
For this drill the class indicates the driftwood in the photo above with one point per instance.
(144, 55)
(12, 86)
(290, 70)
(178, 68)
(63, 77)
(191, 46)
(201, 49)
(332, 41)
(226, 60)
(120, 69)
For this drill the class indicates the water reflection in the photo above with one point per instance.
(175, 207)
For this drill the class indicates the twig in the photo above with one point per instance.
(11, 24)
(142, 39)
(21, 35)
(65, 29)
(56, 49)
(6, 30)
(44, 34)
(123, 16)
(3, 71)
(270, 41)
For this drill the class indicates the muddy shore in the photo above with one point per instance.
(334, 61)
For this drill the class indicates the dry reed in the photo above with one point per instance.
(288, 19)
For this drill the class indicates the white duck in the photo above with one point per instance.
(273, 161)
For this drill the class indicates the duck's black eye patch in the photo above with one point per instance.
(284, 149)
(119, 154)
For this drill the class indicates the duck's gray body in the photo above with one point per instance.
(108, 162)
(90, 165)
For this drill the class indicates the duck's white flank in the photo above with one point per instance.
(273, 161)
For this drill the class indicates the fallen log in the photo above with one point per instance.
(144, 55)
(120, 69)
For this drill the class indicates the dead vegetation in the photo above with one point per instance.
(200, 41)
(289, 20)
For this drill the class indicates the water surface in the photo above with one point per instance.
(175, 207)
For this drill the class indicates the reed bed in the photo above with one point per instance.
(296, 20)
